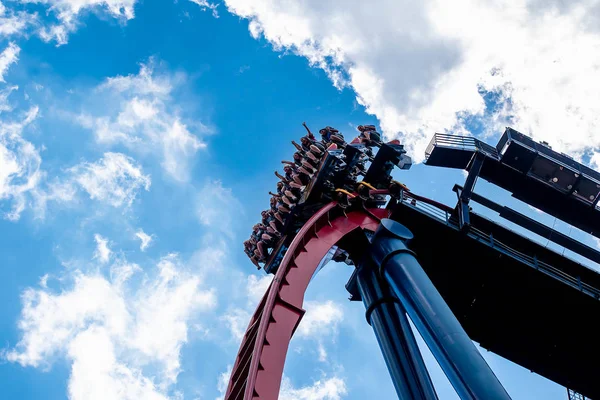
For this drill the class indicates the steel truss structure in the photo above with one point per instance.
(483, 282)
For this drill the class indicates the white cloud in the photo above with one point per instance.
(12, 23)
(321, 319)
(237, 320)
(324, 389)
(102, 252)
(257, 287)
(163, 309)
(420, 66)
(50, 321)
(205, 5)
(96, 373)
(68, 11)
(146, 119)
(115, 179)
(9, 56)
(223, 382)
(44, 281)
(144, 238)
(595, 161)
(20, 162)
(4, 93)
(212, 255)
(56, 191)
(123, 339)
(144, 83)
(320, 323)
(217, 207)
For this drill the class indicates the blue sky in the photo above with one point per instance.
(138, 141)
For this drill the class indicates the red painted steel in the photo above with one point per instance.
(259, 364)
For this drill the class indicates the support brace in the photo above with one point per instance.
(462, 363)
(464, 196)
(390, 324)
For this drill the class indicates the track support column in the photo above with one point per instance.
(393, 331)
(462, 363)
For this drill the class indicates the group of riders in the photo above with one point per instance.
(296, 176)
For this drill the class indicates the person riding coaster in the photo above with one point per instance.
(291, 173)
(308, 155)
(262, 232)
(331, 135)
(264, 241)
(296, 177)
(283, 208)
(310, 143)
(302, 164)
(249, 249)
(310, 146)
(268, 219)
(306, 170)
(260, 251)
(369, 134)
(289, 200)
(279, 216)
(309, 134)
(290, 181)
(306, 162)
(284, 189)
(370, 137)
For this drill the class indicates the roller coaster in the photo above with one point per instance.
(482, 282)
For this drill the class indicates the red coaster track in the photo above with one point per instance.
(259, 364)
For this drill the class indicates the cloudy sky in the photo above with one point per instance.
(138, 140)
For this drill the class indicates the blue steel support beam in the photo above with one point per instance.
(462, 363)
(390, 324)
(396, 340)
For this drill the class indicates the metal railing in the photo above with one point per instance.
(443, 214)
(467, 143)
(573, 395)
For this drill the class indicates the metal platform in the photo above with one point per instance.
(516, 298)
(531, 171)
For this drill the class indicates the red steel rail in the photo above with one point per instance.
(259, 364)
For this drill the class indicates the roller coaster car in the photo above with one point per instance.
(388, 156)
(330, 172)
(336, 179)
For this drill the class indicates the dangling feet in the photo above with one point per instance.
(255, 262)
(312, 157)
(279, 218)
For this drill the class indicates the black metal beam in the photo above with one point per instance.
(544, 195)
(465, 194)
(536, 227)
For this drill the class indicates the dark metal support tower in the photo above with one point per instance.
(394, 334)
(462, 363)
